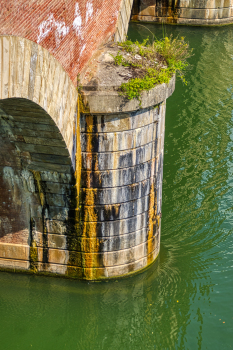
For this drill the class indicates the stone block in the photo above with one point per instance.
(119, 177)
(146, 18)
(118, 141)
(14, 264)
(147, 10)
(58, 256)
(116, 194)
(57, 177)
(57, 241)
(14, 251)
(118, 160)
(56, 226)
(119, 227)
(101, 273)
(116, 211)
(117, 122)
(101, 102)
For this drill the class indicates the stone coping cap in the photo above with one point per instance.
(101, 96)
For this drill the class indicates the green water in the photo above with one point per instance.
(185, 299)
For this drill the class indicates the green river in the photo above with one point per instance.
(185, 299)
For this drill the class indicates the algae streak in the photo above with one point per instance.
(83, 244)
(89, 241)
(153, 223)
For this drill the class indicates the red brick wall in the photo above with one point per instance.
(70, 30)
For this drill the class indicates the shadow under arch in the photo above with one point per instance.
(29, 71)
(38, 135)
(37, 187)
(39, 131)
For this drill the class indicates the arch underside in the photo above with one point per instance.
(29, 71)
(36, 186)
(38, 140)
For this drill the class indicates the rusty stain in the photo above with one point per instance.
(88, 242)
(153, 223)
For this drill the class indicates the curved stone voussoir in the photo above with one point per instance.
(117, 211)
(101, 229)
(115, 243)
(118, 227)
(99, 273)
(105, 244)
(118, 160)
(108, 123)
(121, 257)
(118, 141)
(118, 177)
(105, 196)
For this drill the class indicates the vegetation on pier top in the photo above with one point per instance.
(151, 64)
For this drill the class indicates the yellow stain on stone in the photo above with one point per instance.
(82, 107)
(33, 257)
(153, 222)
(90, 127)
(90, 251)
(85, 243)
(37, 177)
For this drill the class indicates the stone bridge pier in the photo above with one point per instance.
(80, 175)
(121, 181)
(193, 12)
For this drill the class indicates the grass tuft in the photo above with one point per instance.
(151, 64)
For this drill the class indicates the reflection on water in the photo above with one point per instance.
(184, 301)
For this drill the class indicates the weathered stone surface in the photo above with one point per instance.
(31, 72)
(115, 195)
(24, 171)
(118, 160)
(121, 177)
(106, 272)
(196, 12)
(120, 210)
(105, 244)
(108, 123)
(110, 102)
(14, 251)
(102, 229)
(118, 141)
(96, 260)
(14, 264)
(102, 220)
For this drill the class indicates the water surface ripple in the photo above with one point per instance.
(184, 300)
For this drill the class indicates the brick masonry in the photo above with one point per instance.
(70, 30)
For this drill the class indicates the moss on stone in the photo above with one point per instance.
(33, 257)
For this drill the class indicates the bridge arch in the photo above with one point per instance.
(29, 71)
(39, 129)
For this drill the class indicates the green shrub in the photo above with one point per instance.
(153, 64)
